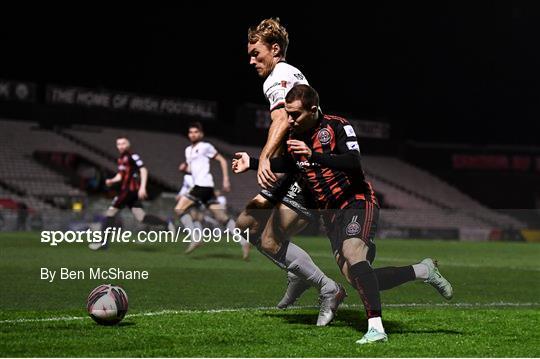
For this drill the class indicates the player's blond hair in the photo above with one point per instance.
(270, 31)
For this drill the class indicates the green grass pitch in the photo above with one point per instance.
(213, 304)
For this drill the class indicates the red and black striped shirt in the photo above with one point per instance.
(334, 172)
(129, 166)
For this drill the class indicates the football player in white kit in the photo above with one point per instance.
(281, 209)
(192, 217)
(198, 156)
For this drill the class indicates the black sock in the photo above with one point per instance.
(390, 277)
(154, 220)
(367, 286)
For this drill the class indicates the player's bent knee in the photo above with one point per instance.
(245, 221)
(258, 203)
(221, 217)
(179, 212)
(269, 245)
(354, 250)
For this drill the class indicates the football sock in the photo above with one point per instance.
(376, 323)
(421, 271)
(297, 261)
(186, 221)
(390, 277)
(196, 232)
(367, 287)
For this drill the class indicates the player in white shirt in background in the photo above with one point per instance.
(198, 156)
(193, 217)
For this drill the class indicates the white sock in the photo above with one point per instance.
(231, 226)
(187, 221)
(421, 271)
(300, 263)
(196, 234)
(376, 323)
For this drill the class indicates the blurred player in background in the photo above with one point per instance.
(193, 217)
(281, 209)
(133, 177)
(324, 150)
(198, 156)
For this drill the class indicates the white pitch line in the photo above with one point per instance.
(234, 310)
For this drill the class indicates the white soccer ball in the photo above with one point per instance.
(107, 304)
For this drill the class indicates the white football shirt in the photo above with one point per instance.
(198, 159)
(283, 78)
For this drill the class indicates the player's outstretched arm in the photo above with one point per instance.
(144, 180)
(276, 133)
(342, 162)
(183, 167)
(240, 162)
(281, 164)
(224, 171)
(110, 181)
(347, 157)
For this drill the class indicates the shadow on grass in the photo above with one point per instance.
(70, 326)
(143, 248)
(230, 256)
(356, 320)
(126, 324)
(121, 324)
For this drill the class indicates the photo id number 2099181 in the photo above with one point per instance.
(214, 235)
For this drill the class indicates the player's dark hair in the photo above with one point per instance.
(119, 137)
(196, 125)
(306, 94)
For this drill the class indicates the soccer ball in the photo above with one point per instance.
(107, 304)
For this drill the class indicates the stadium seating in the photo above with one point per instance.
(415, 197)
(416, 182)
(20, 171)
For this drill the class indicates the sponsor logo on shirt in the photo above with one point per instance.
(304, 164)
(353, 146)
(277, 96)
(294, 190)
(349, 131)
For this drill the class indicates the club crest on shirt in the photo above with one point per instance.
(353, 228)
(324, 136)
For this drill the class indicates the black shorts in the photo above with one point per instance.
(289, 192)
(358, 220)
(128, 199)
(204, 195)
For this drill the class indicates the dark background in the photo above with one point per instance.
(447, 73)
